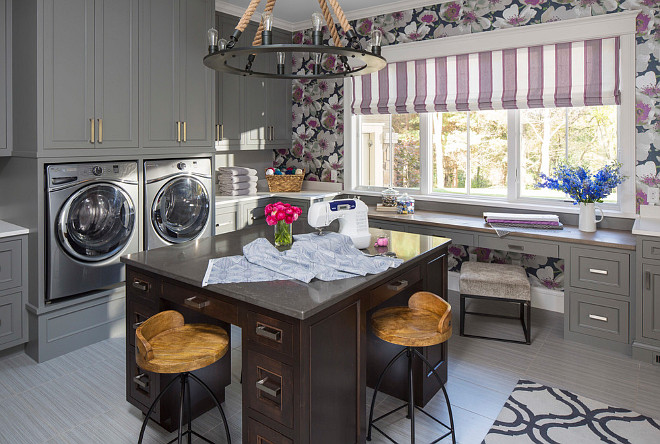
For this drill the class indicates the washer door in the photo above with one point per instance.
(180, 210)
(96, 222)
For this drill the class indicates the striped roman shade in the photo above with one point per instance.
(565, 74)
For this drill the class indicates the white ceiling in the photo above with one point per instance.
(295, 15)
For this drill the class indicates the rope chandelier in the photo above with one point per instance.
(354, 60)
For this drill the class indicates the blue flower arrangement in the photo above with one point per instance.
(582, 186)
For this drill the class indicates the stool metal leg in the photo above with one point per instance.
(411, 396)
(182, 400)
(189, 408)
(462, 326)
(380, 379)
(153, 406)
(217, 403)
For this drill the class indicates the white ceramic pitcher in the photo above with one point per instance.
(588, 219)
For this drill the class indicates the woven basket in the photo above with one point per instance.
(285, 183)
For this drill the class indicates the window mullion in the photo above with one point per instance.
(425, 154)
(514, 155)
(468, 174)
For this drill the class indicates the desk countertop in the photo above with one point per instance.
(187, 263)
(311, 196)
(601, 238)
(7, 230)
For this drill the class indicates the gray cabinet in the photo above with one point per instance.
(4, 84)
(13, 291)
(646, 346)
(651, 301)
(90, 74)
(177, 89)
(229, 107)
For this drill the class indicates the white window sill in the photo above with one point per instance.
(566, 208)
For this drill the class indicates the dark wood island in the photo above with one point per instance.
(307, 352)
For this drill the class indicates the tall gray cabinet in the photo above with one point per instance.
(646, 346)
(177, 89)
(5, 76)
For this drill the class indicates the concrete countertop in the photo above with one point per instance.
(7, 230)
(187, 263)
(311, 196)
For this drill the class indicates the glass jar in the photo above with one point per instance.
(405, 204)
(389, 197)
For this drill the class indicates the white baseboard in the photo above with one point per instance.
(543, 298)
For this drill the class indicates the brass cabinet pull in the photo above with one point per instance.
(100, 130)
(91, 130)
(217, 132)
(142, 286)
(178, 131)
(138, 380)
(185, 137)
(196, 302)
(597, 271)
(269, 332)
(398, 285)
(261, 386)
(598, 318)
(647, 279)
(222, 131)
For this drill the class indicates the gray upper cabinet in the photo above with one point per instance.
(228, 103)
(90, 74)
(651, 301)
(177, 89)
(279, 97)
(256, 95)
(4, 87)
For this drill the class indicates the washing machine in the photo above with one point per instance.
(178, 201)
(91, 222)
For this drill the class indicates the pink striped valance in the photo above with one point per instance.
(566, 74)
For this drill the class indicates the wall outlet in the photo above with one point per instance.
(653, 196)
(333, 175)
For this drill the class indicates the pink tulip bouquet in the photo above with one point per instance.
(282, 216)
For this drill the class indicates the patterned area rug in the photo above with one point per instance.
(536, 413)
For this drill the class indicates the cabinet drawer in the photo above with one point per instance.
(269, 387)
(10, 264)
(142, 385)
(600, 270)
(599, 317)
(386, 225)
(136, 313)
(260, 434)
(457, 237)
(269, 332)
(141, 286)
(395, 286)
(519, 246)
(206, 305)
(650, 249)
(225, 223)
(11, 320)
(253, 215)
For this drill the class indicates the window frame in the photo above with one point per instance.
(619, 24)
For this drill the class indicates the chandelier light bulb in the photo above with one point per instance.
(267, 18)
(213, 39)
(317, 21)
(222, 44)
(281, 57)
(376, 39)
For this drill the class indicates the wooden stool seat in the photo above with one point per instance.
(408, 327)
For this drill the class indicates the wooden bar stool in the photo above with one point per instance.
(426, 321)
(496, 282)
(166, 345)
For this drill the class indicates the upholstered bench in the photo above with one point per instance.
(497, 282)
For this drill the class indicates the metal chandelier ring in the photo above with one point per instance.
(219, 60)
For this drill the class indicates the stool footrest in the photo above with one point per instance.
(373, 423)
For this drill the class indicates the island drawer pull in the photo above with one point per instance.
(140, 285)
(197, 302)
(598, 318)
(516, 247)
(138, 380)
(597, 271)
(397, 285)
(269, 332)
(261, 386)
(137, 324)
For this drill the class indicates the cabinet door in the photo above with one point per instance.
(159, 73)
(196, 80)
(116, 73)
(3, 78)
(69, 74)
(651, 301)
(279, 101)
(229, 94)
(256, 97)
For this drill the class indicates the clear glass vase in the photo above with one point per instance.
(283, 234)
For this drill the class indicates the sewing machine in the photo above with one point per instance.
(352, 215)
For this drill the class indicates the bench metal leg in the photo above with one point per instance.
(527, 326)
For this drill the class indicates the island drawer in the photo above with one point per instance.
(650, 249)
(137, 313)
(600, 317)
(11, 325)
(269, 387)
(143, 386)
(269, 332)
(600, 270)
(519, 246)
(141, 286)
(394, 286)
(10, 264)
(200, 303)
(260, 434)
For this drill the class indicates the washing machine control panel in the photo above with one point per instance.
(97, 170)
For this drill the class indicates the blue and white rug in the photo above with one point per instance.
(536, 413)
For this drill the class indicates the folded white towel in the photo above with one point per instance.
(237, 171)
(237, 186)
(222, 179)
(248, 192)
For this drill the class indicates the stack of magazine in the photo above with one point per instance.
(535, 221)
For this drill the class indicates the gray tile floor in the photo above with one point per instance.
(54, 402)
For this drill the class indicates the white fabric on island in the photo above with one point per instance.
(329, 257)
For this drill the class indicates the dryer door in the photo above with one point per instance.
(96, 222)
(180, 211)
